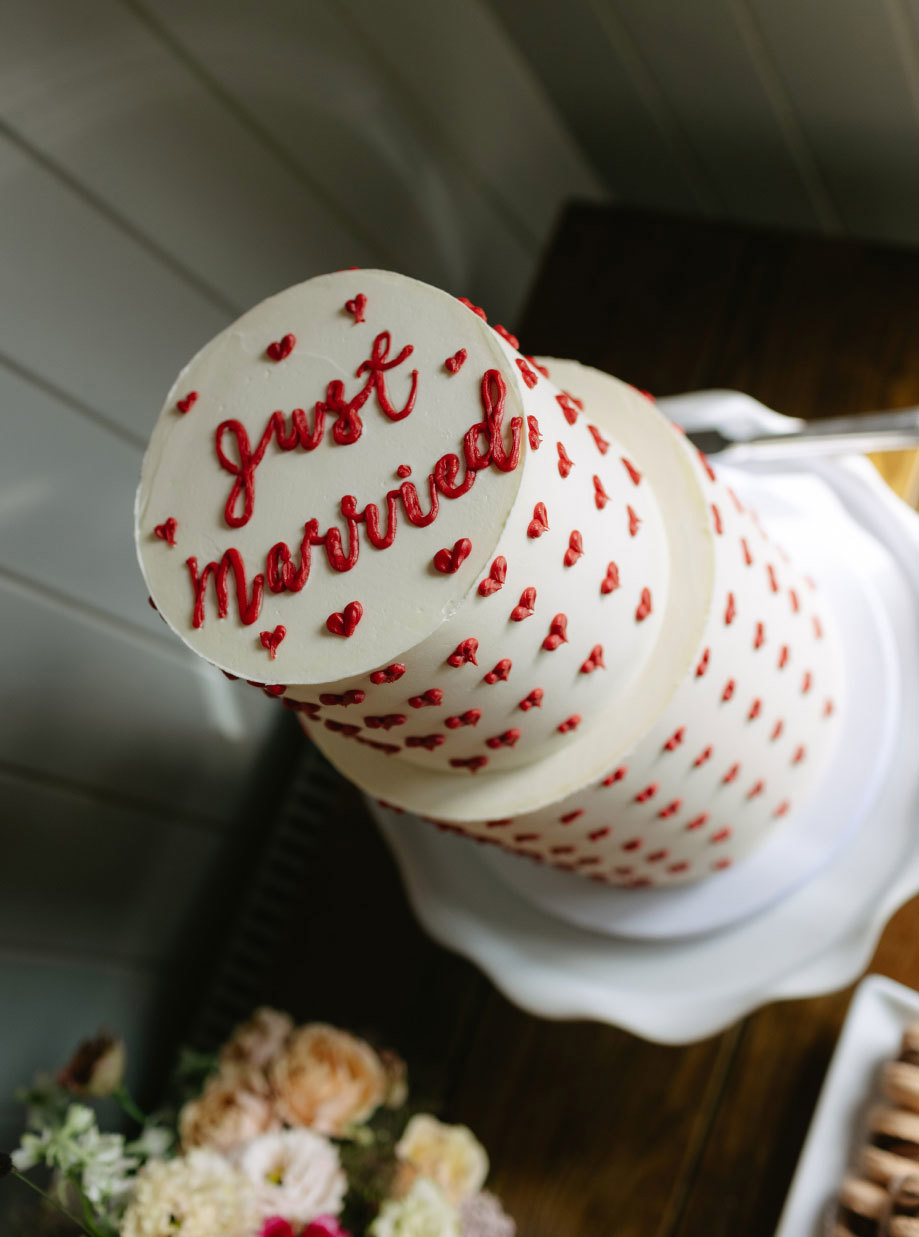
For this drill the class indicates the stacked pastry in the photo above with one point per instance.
(884, 1200)
(502, 593)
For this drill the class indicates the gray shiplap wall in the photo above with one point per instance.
(164, 164)
(800, 114)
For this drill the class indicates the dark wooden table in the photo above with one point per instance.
(592, 1131)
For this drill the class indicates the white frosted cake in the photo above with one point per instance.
(502, 593)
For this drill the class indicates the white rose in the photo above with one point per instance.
(194, 1195)
(451, 1155)
(424, 1212)
(295, 1174)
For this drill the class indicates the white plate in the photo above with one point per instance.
(817, 938)
(879, 1012)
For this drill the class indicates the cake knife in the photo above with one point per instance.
(860, 432)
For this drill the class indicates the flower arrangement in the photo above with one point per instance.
(290, 1131)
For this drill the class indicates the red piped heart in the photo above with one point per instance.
(575, 549)
(343, 623)
(271, 639)
(464, 652)
(648, 793)
(167, 531)
(469, 718)
(798, 756)
(634, 521)
(342, 728)
(507, 739)
(703, 663)
(350, 697)
(500, 672)
(596, 835)
(747, 556)
(703, 460)
(495, 578)
(524, 608)
(565, 464)
(773, 581)
(448, 561)
(675, 740)
(356, 307)
(631, 470)
(302, 706)
(731, 774)
(782, 809)
(730, 610)
(594, 660)
(526, 373)
(755, 709)
(506, 334)
(454, 364)
(569, 406)
(616, 776)
(610, 580)
(533, 433)
(818, 628)
(716, 520)
(539, 523)
(403, 471)
(472, 763)
(728, 690)
(386, 721)
(570, 817)
(570, 723)
(644, 606)
(432, 696)
(281, 348)
(601, 498)
(759, 638)
(601, 443)
(806, 682)
(428, 741)
(533, 701)
(388, 749)
(697, 821)
(389, 674)
(184, 405)
(670, 810)
(558, 629)
(704, 755)
(756, 789)
(476, 309)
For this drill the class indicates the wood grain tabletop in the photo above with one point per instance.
(590, 1130)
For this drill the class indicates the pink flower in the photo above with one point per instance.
(276, 1226)
(325, 1226)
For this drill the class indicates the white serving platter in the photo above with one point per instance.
(660, 978)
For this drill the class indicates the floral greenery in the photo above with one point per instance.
(287, 1132)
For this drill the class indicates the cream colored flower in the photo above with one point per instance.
(196, 1195)
(232, 1109)
(451, 1155)
(481, 1215)
(258, 1041)
(424, 1212)
(295, 1174)
(327, 1079)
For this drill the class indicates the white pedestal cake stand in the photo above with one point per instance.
(802, 914)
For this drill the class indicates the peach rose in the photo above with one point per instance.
(258, 1041)
(327, 1079)
(450, 1155)
(232, 1109)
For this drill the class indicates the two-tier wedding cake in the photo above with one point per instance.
(502, 593)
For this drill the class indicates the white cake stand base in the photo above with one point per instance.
(803, 913)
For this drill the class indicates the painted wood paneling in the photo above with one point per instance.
(319, 92)
(66, 504)
(843, 64)
(594, 75)
(466, 82)
(87, 307)
(96, 878)
(725, 113)
(104, 708)
(93, 89)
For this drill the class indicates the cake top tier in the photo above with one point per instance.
(306, 510)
